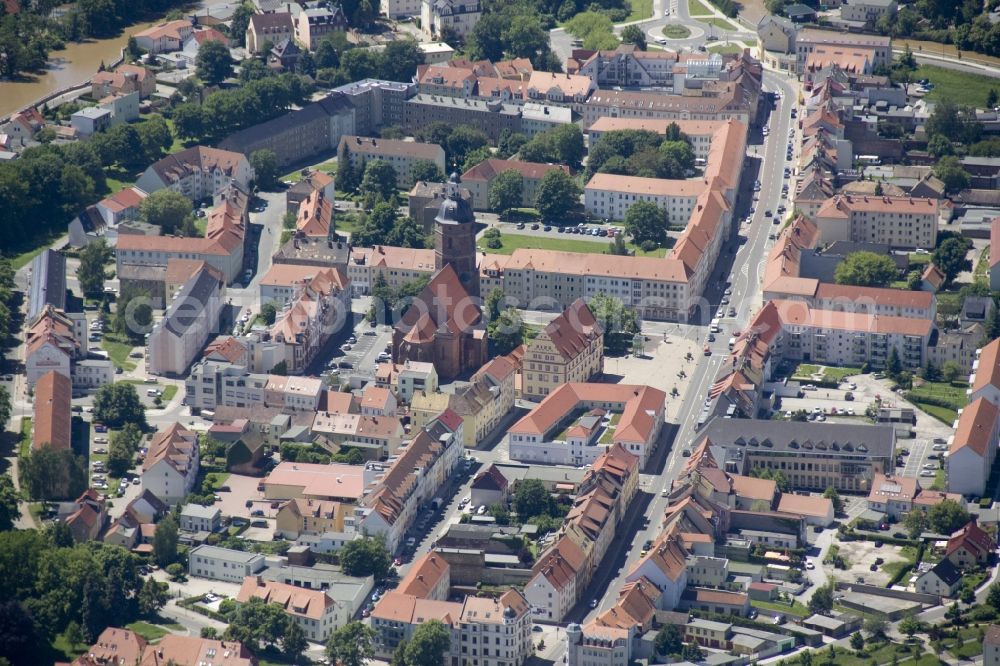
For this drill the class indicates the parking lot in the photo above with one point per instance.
(356, 354)
(925, 451)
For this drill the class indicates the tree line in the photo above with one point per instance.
(50, 586)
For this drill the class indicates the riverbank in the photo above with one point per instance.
(68, 68)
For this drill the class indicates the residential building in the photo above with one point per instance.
(313, 610)
(570, 349)
(198, 518)
(728, 100)
(433, 52)
(970, 547)
(307, 516)
(335, 482)
(395, 265)
(91, 120)
(123, 646)
(164, 37)
(47, 283)
(665, 566)
(995, 261)
(400, 155)
(479, 179)
(491, 487)
(412, 480)
(395, 9)
(973, 447)
(482, 403)
(577, 422)
(123, 206)
(411, 377)
(298, 135)
(316, 20)
(171, 466)
(377, 103)
(52, 414)
(319, 310)
(991, 646)
(440, 19)
(227, 565)
(428, 578)
(191, 317)
(23, 126)
(376, 436)
(867, 12)
(900, 222)
(505, 619)
(943, 579)
(985, 378)
(273, 27)
(805, 452)
(808, 40)
(87, 521)
(198, 173)
(52, 342)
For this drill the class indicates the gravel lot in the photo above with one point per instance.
(861, 555)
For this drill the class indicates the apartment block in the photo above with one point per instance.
(479, 179)
(401, 155)
(577, 422)
(197, 173)
(900, 222)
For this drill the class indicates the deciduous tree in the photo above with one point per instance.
(265, 168)
(351, 645)
(506, 192)
(556, 196)
(645, 221)
(365, 557)
(213, 64)
(866, 269)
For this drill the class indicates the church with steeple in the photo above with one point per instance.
(444, 324)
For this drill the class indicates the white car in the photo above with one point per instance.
(810, 565)
(927, 473)
(930, 466)
(939, 447)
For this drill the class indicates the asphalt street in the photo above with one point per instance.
(743, 272)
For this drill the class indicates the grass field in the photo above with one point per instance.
(641, 9)
(24, 258)
(698, 8)
(118, 351)
(720, 24)
(168, 393)
(953, 395)
(675, 31)
(942, 414)
(24, 445)
(960, 87)
(838, 374)
(725, 48)
(559, 243)
(150, 632)
(797, 609)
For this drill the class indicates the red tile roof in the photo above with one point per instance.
(53, 398)
(975, 428)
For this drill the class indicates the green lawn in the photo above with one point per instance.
(216, 479)
(940, 480)
(201, 225)
(329, 167)
(118, 351)
(721, 24)
(675, 31)
(22, 259)
(960, 87)
(168, 393)
(150, 632)
(725, 48)
(513, 242)
(807, 370)
(698, 8)
(954, 396)
(24, 446)
(797, 609)
(641, 9)
(919, 260)
(942, 414)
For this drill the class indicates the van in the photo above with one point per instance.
(732, 343)
(151, 392)
(714, 326)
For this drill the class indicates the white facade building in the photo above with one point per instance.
(224, 564)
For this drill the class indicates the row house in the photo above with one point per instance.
(171, 466)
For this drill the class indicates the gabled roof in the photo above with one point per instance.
(443, 304)
(52, 416)
(573, 330)
(490, 479)
(424, 575)
(975, 427)
(300, 601)
(973, 538)
(947, 572)
(988, 370)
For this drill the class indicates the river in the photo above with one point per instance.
(72, 65)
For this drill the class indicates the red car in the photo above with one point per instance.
(708, 352)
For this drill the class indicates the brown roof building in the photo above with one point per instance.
(52, 420)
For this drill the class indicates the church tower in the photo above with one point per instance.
(455, 237)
